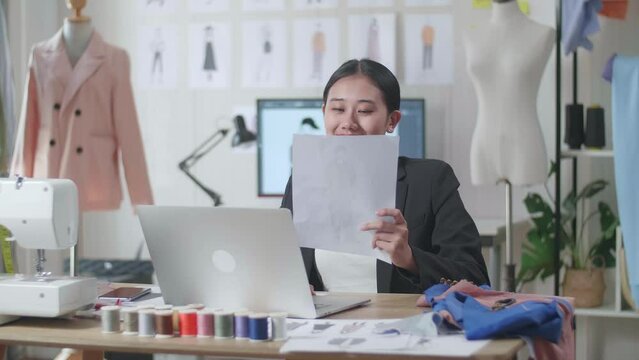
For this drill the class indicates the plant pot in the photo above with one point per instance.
(586, 286)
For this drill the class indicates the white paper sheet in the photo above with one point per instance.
(339, 184)
(429, 46)
(363, 336)
(264, 53)
(157, 60)
(210, 55)
(372, 36)
(316, 41)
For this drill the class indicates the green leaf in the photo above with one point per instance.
(537, 257)
(603, 252)
(553, 168)
(592, 189)
(541, 212)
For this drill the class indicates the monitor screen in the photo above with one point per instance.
(279, 119)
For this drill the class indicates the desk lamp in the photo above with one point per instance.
(41, 214)
(242, 136)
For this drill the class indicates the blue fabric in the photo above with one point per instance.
(578, 21)
(531, 318)
(625, 135)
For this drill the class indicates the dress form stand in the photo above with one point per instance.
(76, 31)
(505, 59)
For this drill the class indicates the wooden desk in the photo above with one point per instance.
(84, 334)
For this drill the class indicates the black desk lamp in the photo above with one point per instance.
(242, 135)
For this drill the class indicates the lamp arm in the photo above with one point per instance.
(195, 156)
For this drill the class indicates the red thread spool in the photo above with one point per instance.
(188, 322)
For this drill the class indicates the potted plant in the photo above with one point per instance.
(583, 258)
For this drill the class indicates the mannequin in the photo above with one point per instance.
(506, 59)
(76, 31)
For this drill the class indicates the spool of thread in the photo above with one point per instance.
(223, 325)
(241, 325)
(110, 319)
(258, 327)
(278, 326)
(130, 316)
(205, 321)
(188, 322)
(164, 323)
(176, 318)
(595, 128)
(196, 306)
(574, 132)
(146, 322)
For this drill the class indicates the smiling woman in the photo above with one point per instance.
(431, 235)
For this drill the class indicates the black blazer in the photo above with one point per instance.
(441, 233)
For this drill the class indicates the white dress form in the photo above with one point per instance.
(506, 60)
(76, 34)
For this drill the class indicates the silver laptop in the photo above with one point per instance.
(233, 258)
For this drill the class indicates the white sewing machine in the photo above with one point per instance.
(41, 214)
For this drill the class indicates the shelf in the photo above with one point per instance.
(607, 311)
(587, 153)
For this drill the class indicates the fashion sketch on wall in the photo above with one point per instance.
(316, 41)
(315, 4)
(264, 54)
(208, 6)
(428, 43)
(156, 7)
(368, 33)
(370, 3)
(209, 55)
(157, 56)
(426, 2)
(263, 5)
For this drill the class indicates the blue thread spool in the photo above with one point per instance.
(258, 327)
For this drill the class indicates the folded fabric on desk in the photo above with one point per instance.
(545, 322)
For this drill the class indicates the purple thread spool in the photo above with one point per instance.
(242, 325)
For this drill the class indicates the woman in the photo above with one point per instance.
(431, 236)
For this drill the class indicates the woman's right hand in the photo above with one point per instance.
(312, 289)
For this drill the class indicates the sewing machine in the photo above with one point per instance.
(41, 214)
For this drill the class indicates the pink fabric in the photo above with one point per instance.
(77, 122)
(543, 349)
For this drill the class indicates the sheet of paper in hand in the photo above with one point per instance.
(338, 184)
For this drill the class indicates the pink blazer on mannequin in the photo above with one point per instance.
(76, 122)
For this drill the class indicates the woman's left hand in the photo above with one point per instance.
(393, 238)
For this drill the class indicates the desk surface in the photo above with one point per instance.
(85, 334)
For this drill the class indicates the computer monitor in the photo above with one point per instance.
(279, 119)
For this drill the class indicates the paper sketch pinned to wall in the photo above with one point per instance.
(156, 7)
(208, 6)
(263, 5)
(264, 54)
(209, 55)
(368, 33)
(316, 43)
(369, 3)
(428, 42)
(157, 60)
(315, 4)
(426, 2)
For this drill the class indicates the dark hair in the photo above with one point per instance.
(379, 74)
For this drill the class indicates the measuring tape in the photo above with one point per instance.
(5, 247)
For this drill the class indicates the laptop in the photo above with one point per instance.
(233, 258)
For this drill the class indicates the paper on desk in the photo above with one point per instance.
(338, 184)
(363, 336)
